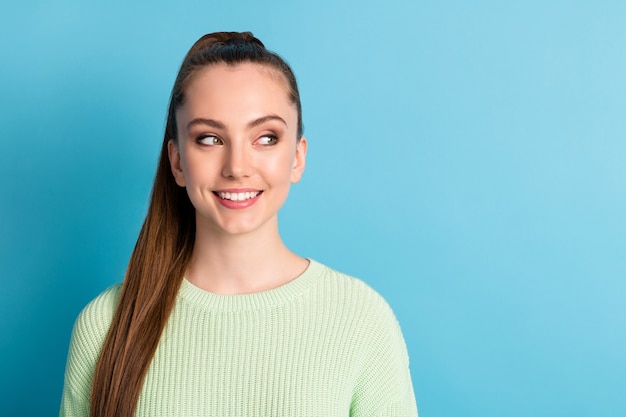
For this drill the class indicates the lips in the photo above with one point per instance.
(237, 196)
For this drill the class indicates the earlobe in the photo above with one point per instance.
(173, 154)
(299, 161)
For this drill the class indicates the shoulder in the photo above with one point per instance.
(353, 292)
(90, 330)
(94, 320)
(360, 308)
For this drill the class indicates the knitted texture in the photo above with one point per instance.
(325, 344)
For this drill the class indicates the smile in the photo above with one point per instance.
(238, 196)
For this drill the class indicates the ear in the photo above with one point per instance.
(174, 155)
(299, 161)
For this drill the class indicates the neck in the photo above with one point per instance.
(242, 264)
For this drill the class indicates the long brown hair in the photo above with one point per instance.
(165, 243)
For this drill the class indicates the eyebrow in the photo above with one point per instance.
(219, 125)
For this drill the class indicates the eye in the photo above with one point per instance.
(267, 140)
(209, 140)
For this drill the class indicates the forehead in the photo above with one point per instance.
(214, 80)
(236, 94)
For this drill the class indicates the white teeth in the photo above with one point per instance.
(238, 196)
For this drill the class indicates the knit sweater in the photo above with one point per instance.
(324, 344)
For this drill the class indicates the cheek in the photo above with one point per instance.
(279, 167)
(196, 168)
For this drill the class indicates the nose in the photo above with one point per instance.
(237, 163)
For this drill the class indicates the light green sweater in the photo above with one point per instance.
(325, 344)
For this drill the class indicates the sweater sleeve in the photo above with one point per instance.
(384, 387)
(90, 330)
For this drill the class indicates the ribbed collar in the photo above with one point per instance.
(255, 301)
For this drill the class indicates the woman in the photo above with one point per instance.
(216, 316)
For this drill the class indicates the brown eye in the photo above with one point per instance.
(210, 140)
(267, 140)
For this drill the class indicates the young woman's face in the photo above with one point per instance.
(237, 151)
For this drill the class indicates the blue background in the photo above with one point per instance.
(465, 158)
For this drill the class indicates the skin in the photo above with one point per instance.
(237, 133)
